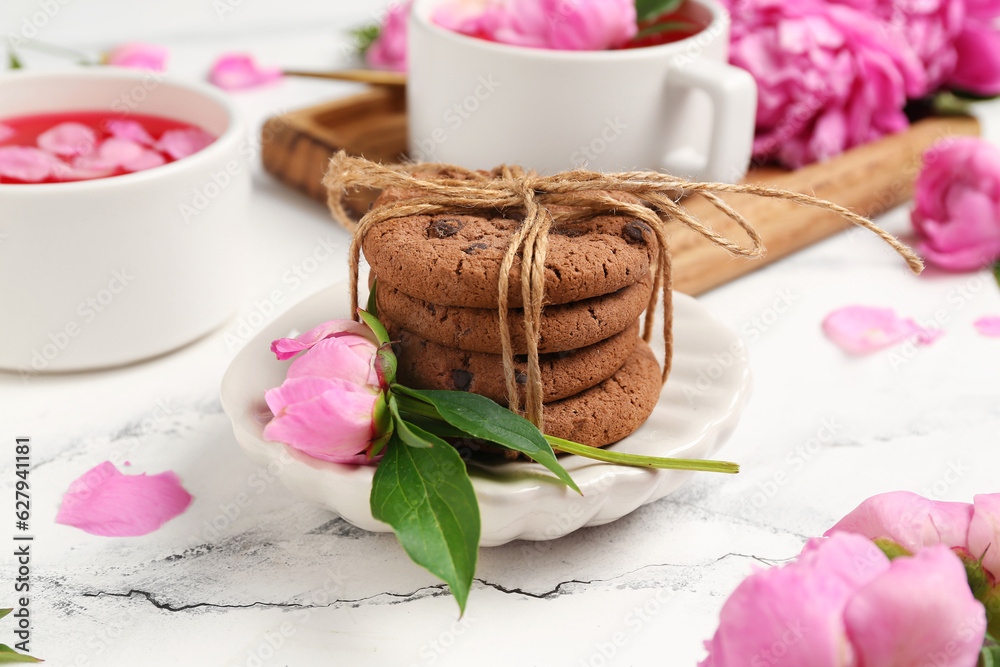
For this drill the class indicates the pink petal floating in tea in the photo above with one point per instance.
(68, 139)
(237, 71)
(103, 501)
(183, 142)
(129, 129)
(988, 326)
(82, 168)
(145, 160)
(863, 329)
(6, 132)
(26, 163)
(115, 151)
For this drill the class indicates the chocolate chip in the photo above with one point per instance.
(444, 227)
(471, 248)
(431, 309)
(462, 379)
(562, 354)
(634, 231)
(521, 378)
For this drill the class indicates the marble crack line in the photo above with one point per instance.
(431, 591)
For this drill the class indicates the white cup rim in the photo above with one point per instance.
(207, 91)
(421, 14)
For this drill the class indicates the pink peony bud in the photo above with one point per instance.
(957, 204)
(137, 55)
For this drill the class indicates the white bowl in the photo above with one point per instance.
(698, 409)
(113, 270)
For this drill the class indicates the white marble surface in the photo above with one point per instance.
(252, 576)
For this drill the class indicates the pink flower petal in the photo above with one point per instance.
(139, 56)
(26, 163)
(103, 501)
(115, 151)
(909, 520)
(863, 329)
(920, 612)
(347, 357)
(6, 132)
(147, 159)
(83, 168)
(984, 532)
(129, 129)
(988, 326)
(329, 419)
(68, 139)
(286, 348)
(183, 142)
(237, 71)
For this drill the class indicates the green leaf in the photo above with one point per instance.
(10, 656)
(427, 498)
(481, 418)
(377, 328)
(651, 9)
(13, 62)
(382, 418)
(668, 26)
(364, 37)
(996, 273)
(372, 306)
(414, 436)
(989, 656)
(4, 612)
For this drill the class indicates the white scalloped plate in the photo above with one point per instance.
(697, 411)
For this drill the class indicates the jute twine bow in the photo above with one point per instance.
(547, 201)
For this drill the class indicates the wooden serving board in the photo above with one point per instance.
(869, 180)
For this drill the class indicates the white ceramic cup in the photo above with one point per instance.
(678, 107)
(109, 271)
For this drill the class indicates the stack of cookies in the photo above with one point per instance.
(437, 280)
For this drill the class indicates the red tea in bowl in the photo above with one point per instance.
(83, 145)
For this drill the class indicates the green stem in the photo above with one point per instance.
(639, 460)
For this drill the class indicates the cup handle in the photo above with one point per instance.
(733, 92)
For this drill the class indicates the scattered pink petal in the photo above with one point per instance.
(68, 139)
(6, 132)
(862, 329)
(103, 501)
(988, 326)
(147, 159)
(116, 152)
(181, 143)
(129, 129)
(237, 71)
(139, 56)
(26, 163)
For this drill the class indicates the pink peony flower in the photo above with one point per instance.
(388, 51)
(103, 501)
(988, 326)
(238, 71)
(326, 405)
(842, 603)
(139, 56)
(828, 77)
(957, 204)
(977, 47)
(862, 329)
(929, 27)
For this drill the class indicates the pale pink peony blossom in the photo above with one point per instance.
(105, 502)
(137, 55)
(988, 326)
(862, 330)
(325, 407)
(829, 78)
(238, 71)
(388, 51)
(957, 204)
(842, 603)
